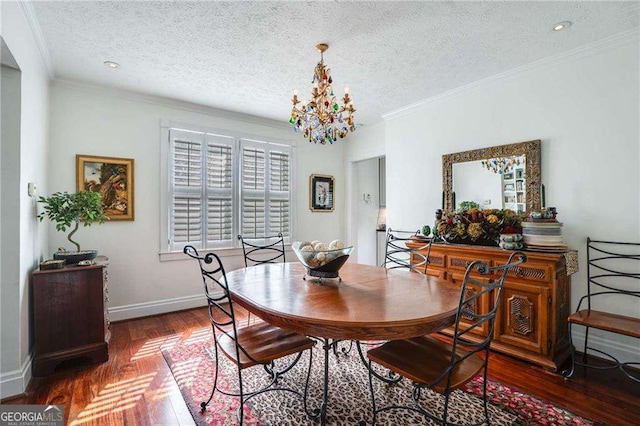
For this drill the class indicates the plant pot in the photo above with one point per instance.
(71, 257)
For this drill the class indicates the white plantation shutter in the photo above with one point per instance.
(201, 211)
(265, 189)
(187, 220)
(185, 212)
(219, 191)
(253, 218)
(279, 166)
(219, 219)
(219, 186)
(253, 175)
(279, 185)
(279, 217)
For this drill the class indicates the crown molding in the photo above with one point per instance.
(169, 102)
(30, 14)
(580, 52)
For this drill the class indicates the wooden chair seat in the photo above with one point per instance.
(423, 359)
(629, 326)
(264, 343)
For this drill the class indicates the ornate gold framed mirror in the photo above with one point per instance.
(504, 176)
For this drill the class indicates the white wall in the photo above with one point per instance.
(15, 342)
(367, 182)
(584, 108)
(95, 121)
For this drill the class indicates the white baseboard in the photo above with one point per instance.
(13, 383)
(137, 310)
(621, 351)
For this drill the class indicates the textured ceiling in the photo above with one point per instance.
(249, 56)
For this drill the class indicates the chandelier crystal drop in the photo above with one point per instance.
(321, 119)
(501, 165)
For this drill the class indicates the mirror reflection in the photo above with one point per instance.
(492, 183)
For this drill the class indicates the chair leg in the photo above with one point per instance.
(242, 399)
(586, 345)
(373, 396)
(484, 396)
(315, 413)
(572, 350)
(446, 409)
(203, 405)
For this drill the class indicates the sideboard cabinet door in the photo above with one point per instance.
(69, 316)
(522, 317)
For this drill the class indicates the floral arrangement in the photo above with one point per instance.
(476, 226)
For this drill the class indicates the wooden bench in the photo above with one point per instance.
(613, 271)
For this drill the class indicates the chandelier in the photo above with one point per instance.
(322, 120)
(501, 165)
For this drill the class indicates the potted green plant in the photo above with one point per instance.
(68, 210)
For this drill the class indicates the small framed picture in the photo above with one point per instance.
(321, 193)
(112, 178)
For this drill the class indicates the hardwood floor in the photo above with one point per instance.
(136, 387)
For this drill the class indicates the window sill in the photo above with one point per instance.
(170, 256)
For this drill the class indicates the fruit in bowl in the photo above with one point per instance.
(322, 260)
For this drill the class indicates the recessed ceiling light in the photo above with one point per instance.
(111, 64)
(561, 26)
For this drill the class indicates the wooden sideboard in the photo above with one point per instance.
(69, 316)
(531, 324)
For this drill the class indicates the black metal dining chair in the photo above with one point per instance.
(433, 364)
(256, 344)
(398, 255)
(270, 251)
(613, 275)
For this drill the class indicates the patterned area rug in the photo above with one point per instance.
(192, 364)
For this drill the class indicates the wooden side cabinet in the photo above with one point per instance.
(531, 322)
(69, 316)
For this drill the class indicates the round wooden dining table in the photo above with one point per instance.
(369, 303)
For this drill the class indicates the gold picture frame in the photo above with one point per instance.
(112, 178)
(321, 193)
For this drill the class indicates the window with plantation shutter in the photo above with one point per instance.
(219, 186)
(265, 189)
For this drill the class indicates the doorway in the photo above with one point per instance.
(367, 200)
